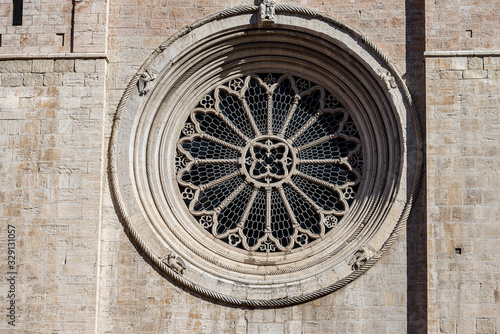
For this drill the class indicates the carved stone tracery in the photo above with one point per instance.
(262, 156)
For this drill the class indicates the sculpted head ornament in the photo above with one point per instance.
(266, 10)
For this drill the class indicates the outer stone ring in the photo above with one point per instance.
(265, 163)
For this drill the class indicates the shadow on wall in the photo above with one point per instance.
(417, 223)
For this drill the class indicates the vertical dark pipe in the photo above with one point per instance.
(72, 34)
(417, 224)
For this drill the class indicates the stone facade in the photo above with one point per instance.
(77, 267)
(462, 113)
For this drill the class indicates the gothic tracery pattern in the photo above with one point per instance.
(269, 162)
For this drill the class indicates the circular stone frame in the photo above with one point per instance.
(228, 45)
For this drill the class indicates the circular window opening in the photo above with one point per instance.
(268, 162)
(265, 163)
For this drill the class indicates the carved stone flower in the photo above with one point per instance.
(269, 161)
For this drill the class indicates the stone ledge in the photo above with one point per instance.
(462, 53)
(12, 56)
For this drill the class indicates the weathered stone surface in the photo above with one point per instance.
(32, 79)
(475, 74)
(485, 326)
(12, 79)
(64, 65)
(79, 272)
(52, 79)
(16, 66)
(43, 65)
(464, 134)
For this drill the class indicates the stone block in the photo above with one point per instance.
(447, 326)
(10, 102)
(271, 328)
(64, 65)
(43, 65)
(15, 66)
(485, 326)
(84, 66)
(451, 74)
(494, 74)
(33, 79)
(492, 63)
(12, 79)
(73, 79)
(459, 63)
(475, 74)
(52, 79)
(475, 63)
(293, 327)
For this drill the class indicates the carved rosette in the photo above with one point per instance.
(271, 160)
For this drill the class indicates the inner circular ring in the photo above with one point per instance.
(268, 161)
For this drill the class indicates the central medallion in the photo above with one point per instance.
(268, 161)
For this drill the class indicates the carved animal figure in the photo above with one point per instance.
(360, 257)
(144, 84)
(174, 262)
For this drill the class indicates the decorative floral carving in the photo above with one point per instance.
(301, 239)
(350, 129)
(236, 84)
(269, 160)
(303, 84)
(180, 162)
(331, 221)
(234, 239)
(267, 176)
(188, 129)
(388, 78)
(269, 79)
(331, 101)
(206, 221)
(349, 193)
(188, 194)
(267, 246)
(207, 102)
(356, 161)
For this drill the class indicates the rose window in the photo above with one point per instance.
(269, 162)
(265, 164)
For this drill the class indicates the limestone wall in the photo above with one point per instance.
(54, 27)
(77, 270)
(51, 130)
(462, 70)
(462, 193)
(462, 25)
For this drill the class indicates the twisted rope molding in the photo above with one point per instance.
(280, 9)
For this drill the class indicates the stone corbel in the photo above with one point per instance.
(360, 257)
(267, 10)
(173, 261)
(144, 83)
